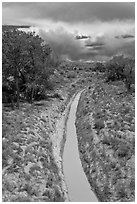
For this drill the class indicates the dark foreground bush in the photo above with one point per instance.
(27, 64)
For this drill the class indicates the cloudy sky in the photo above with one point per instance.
(78, 30)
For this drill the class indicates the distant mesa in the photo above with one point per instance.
(80, 37)
(11, 27)
(124, 36)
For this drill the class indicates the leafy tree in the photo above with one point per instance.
(25, 60)
(129, 73)
(121, 68)
(115, 68)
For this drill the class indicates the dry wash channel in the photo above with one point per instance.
(78, 187)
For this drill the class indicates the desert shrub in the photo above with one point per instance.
(113, 141)
(99, 67)
(73, 85)
(132, 184)
(123, 150)
(99, 124)
(57, 95)
(20, 198)
(129, 73)
(121, 192)
(121, 68)
(61, 72)
(106, 191)
(114, 69)
(85, 111)
(113, 164)
(106, 140)
(58, 195)
(71, 75)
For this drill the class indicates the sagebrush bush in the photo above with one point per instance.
(71, 75)
(123, 150)
(121, 68)
(99, 67)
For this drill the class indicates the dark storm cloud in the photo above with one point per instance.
(80, 30)
(63, 43)
(66, 45)
(124, 36)
(96, 44)
(72, 11)
(78, 37)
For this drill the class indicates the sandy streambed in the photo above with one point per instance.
(78, 187)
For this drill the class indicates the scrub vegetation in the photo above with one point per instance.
(36, 89)
(106, 137)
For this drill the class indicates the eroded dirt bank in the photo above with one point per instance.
(105, 126)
